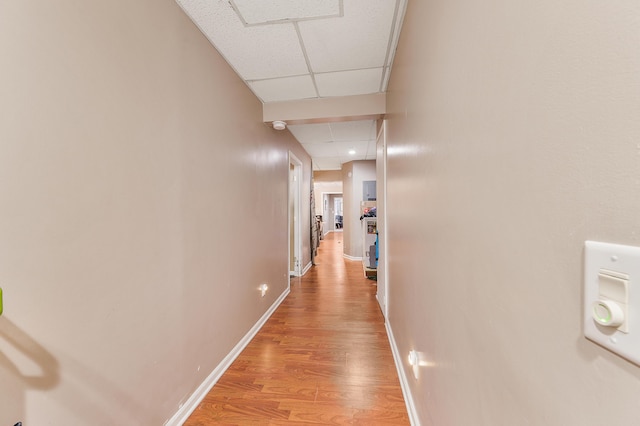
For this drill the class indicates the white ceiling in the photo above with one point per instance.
(288, 50)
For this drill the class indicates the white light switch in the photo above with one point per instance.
(612, 298)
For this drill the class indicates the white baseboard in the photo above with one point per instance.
(194, 400)
(404, 383)
(306, 268)
(346, 256)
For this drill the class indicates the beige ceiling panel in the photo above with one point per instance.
(264, 11)
(311, 133)
(358, 82)
(254, 52)
(283, 89)
(362, 130)
(359, 39)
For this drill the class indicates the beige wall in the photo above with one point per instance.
(354, 173)
(329, 176)
(137, 184)
(513, 137)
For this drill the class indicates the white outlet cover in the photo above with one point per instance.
(626, 260)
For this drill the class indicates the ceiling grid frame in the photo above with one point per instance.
(283, 69)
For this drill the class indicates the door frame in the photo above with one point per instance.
(294, 210)
(381, 189)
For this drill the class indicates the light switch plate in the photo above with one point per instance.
(624, 260)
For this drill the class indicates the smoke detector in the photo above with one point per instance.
(279, 125)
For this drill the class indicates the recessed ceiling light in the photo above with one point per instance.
(352, 151)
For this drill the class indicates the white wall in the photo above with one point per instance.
(513, 137)
(137, 182)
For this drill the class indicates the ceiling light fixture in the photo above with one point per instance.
(352, 151)
(279, 125)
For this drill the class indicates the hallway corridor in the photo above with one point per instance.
(322, 358)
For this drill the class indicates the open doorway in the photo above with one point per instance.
(332, 211)
(338, 217)
(295, 188)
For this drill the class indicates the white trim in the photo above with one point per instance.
(297, 212)
(404, 383)
(383, 250)
(306, 268)
(346, 256)
(196, 397)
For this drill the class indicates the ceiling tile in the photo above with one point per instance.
(326, 149)
(349, 45)
(311, 133)
(254, 52)
(263, 11)
(361, 130)
(201, 13)
(358, 82)
(359, 39)
(359, 146)
(284, 89)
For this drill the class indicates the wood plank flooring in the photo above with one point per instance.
(323, 358)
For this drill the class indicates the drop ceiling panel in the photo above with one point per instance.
(359, 39)
(346, 83)
(254, 52)
(311, 133)
(326, 149)
(361, 130)
(349, 47)
(360, 147)
(284, 89)
(201, 13)
(263, 11)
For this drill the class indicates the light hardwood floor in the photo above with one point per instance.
(323, 357)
